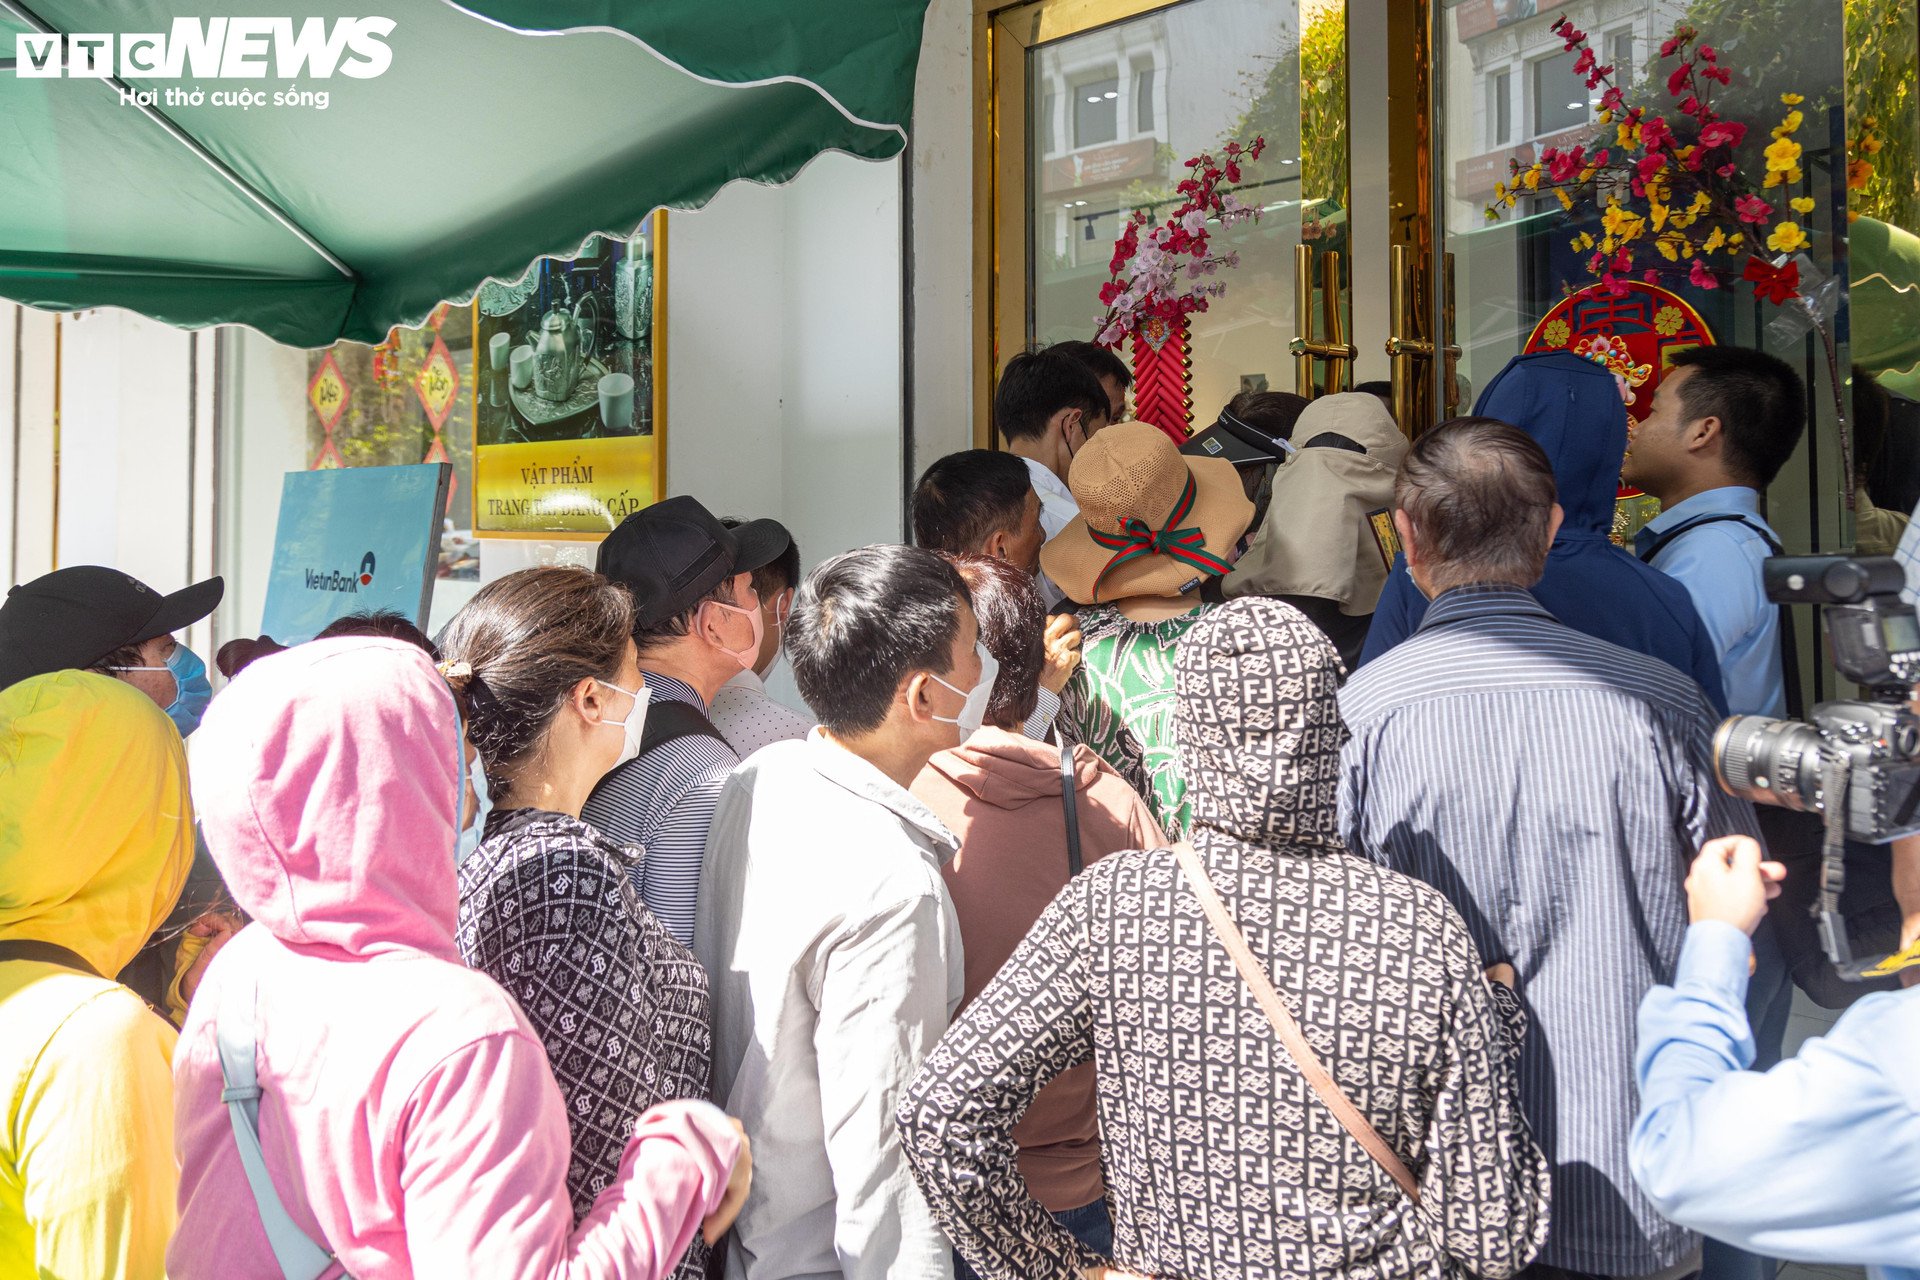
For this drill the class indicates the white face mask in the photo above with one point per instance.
(973, 712)
(635, 724)
(470, 837)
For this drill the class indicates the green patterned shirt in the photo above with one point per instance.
(1120, 703)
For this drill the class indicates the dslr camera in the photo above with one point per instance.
(1875, 638)
(1856, 763)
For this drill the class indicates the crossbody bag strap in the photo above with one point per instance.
(1789, 639)
(45, 953)
(1070, 807)
(1311, 1068)
(298, 1256)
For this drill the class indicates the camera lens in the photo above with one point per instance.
(1769, 761)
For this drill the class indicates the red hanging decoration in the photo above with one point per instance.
(1163, 376)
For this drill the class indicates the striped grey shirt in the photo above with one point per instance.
(1555, 787)
(663, 802)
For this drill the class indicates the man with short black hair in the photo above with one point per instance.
(825, 927)
(746, 715)
(1047, 406)
(1724, 422)
(1109, 368)
(1561, 835)
(697, 624)
(979, 502)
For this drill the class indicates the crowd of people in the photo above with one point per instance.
(1292, 851)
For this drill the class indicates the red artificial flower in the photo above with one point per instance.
(1233, 148)
(1700, 277)
(1719, 75)
(1613, 100)
(1613, 287)
(1596, 264)
(1727, 170)
(1233, 172)
(1623, 261)
(1654, 132)
(1752, 208)
(1689, 105)
(1677, 80)
(1585, 62)
(1722, 133)
(1564, 166)
(1706, 51)
(1650, 275)
(1194, 163)
(1775, 284)
(1259, 145)
(1112, 289)
(1650, 166)
(1670, 46)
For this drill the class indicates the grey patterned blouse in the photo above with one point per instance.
(548, 910)
(1219, 1160)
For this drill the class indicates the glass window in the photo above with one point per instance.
(1096, 115)
(1049, 128)
(1143, 100)
(1500, 108)
(1559, 95)
(1620, 54)
(1248, 56)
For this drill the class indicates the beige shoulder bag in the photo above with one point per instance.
(1286, 1028)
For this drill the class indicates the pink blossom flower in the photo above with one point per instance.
(1700, 277)
(1752, 208)
(1722, 133)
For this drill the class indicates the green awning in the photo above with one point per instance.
(492, 139)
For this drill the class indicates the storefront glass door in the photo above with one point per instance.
(1097, 107)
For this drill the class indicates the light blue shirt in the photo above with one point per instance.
(1719, 565)
(1817, 1160)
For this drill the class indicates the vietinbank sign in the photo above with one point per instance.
(217, 49)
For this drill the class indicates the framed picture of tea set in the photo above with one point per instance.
(569, 399)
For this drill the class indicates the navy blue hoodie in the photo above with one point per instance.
(1572, 407)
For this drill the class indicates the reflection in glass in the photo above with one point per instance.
(1143, 96)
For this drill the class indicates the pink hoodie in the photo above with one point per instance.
(410, 1121)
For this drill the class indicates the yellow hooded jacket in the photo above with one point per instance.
(96, 836)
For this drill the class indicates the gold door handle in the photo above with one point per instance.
(1450, 389)
(1335, 350)
(1407, 348)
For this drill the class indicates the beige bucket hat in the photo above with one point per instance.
(1152, 521)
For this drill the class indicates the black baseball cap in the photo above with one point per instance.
(73, 617)
(672, 555)
(1239, 442)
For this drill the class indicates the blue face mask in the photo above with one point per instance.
(470, 837)
(192, 691)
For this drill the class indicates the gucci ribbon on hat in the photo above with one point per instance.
(1137, 539)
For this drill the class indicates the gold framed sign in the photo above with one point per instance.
(570, 399)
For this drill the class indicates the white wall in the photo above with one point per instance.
(940, 248)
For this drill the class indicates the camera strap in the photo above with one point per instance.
(1789, 640)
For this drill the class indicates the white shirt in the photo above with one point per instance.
(834, 956)
(1057, 510)
(748, 717)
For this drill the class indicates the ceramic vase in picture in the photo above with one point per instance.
(616, 401)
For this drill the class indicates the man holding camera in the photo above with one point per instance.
(1816, 1159)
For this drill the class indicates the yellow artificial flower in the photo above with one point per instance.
(1787, 237)
(1532, 178)
(1566, 201)
(1499, 191)
(1667, 249)
(1701, 203)
(1791, 124)
(1619, 223)
(1791, 99)
(1801, 204)
(1737, 239)
(1586, 174)
(1657, 213)
(1627, 136)
(1714, 241)
(1783, 154)
(1606, 117)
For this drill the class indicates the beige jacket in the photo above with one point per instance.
(1317, 539)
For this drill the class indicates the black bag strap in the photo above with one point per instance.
(670, 720)
(1070, 806)
(45, 953)
(1789, 640)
